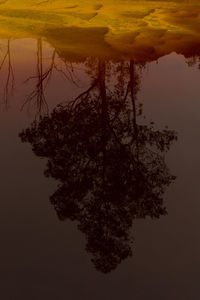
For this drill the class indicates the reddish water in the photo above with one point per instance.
(43, 257)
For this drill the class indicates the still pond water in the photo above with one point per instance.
(99, 171)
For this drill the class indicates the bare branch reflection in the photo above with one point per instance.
(37, 96)
(9, 81)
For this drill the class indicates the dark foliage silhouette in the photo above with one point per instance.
(111, 170)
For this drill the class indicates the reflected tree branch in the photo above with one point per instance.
(37, 96)
(10, 81)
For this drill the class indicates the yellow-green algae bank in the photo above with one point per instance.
(141, 30)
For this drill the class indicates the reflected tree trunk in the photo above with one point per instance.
(133, 100)
(102, 92)
(9, 81)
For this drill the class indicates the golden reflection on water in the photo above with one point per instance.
(141, 30)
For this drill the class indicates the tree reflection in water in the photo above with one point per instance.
(8, 85)
(111, 170)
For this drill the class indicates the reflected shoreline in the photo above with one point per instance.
(140, 31)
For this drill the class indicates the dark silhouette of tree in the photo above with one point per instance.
(111, 170)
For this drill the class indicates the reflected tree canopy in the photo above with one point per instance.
(110, 167)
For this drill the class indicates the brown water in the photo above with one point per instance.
(117, 183)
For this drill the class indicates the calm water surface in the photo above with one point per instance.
(99, 175)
